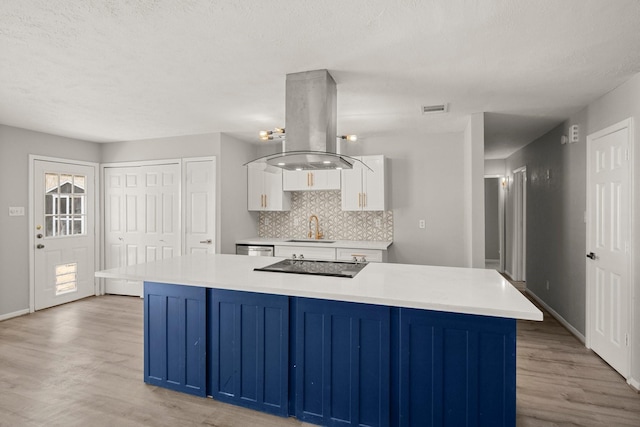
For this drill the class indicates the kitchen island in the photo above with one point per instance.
(395, 345)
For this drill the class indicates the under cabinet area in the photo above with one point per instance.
(316, 180)
(264, 189)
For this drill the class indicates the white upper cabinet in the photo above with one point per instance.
(264, 189)
(364, 189)
(316, 180)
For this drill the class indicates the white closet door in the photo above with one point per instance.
(142, 218)
(199, 189)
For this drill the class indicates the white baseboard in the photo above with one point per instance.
(559, 318)
(634, 383)
(14, 314)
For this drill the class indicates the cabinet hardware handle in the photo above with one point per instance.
(311, 175)
(359, 200)
(40, 246)
(265, 200)
(364, 200)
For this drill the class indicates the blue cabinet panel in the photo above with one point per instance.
(249, 349)
(455, 370)
(174, 337)
(342, 370)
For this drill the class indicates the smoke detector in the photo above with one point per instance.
(435, 109)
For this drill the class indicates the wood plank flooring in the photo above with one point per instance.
(80, 364)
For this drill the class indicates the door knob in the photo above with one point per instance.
(592, 256)
(208, 241)
(40, 246)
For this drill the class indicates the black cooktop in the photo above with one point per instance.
(316, 268)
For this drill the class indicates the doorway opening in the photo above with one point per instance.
(494, 189)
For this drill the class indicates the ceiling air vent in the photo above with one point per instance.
(434, 109)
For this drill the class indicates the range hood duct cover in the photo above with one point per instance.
(310, 121)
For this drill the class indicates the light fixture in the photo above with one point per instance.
(350, 138)
(268, 135)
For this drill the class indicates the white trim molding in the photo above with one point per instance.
(14, 314)
(557, 316)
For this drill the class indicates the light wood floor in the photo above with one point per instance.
(80, 364)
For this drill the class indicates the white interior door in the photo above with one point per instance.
(64, 232)
(199, 206)
(142, 218)
(608, 234)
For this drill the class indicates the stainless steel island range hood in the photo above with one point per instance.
(310, 123)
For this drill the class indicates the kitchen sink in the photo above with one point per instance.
(309, 241)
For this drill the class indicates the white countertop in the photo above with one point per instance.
(352, 244)
(457, 290)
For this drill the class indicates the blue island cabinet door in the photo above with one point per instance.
(249, 350)
(342, 369)
(455, 370)
(174, 337)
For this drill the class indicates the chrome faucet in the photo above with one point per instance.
(318, 234)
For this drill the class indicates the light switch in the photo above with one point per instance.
(16, 211)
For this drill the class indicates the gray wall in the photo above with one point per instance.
(425, 181)
(491, 222)
(556, 232)
(236, 221)
(15, 146)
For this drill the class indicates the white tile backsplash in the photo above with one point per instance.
(335, 224)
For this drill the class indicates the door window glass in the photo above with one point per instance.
(65, 205)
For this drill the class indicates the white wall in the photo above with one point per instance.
(494, 167)
(473, 174)
(425, 181)
(236, 221)
(15, 146)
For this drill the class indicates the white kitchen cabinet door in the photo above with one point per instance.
(327, 254)
(318, 180)
(369, 255)
(364, 189)
(352, 188)
(264, 189)
(255, 188)
(373, 184)
(275, 198)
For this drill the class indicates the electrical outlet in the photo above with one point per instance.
(378, 222)
(547, 285)
(16, 211)
(267, 221)
(422, 223)
(296, 222)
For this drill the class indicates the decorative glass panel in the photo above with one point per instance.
(79, 184)
(78, 205)
(65, 205)
(49, 204)
(66, 184)
(48, 227)
(66, 278)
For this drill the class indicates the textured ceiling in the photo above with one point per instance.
(111, 70)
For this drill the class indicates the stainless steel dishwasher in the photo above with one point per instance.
(254, 250)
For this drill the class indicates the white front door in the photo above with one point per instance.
(142, 218)
(608, 235)
(64, 232)
(200, 195)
